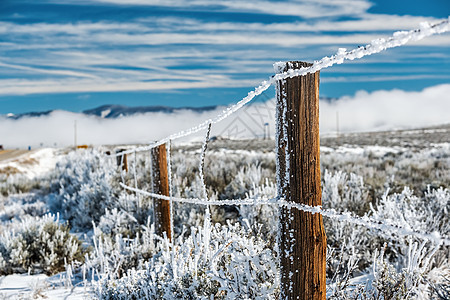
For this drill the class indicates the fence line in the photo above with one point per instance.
(330, 213)
(310, 251)
(398, 38)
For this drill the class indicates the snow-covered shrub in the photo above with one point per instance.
(261, 218)
(405, 270)
(82, 187)
(385, 280)
(428, 214)
(236, 259)
(19, 183)
(128, 214)
(246, 178)
(19, 206)
(349, 243)
(218, 261)
(5, 254)
(39, 245)
(114, 254)
(345, 192)
(247, 270)
(86, 187)
(228, 174)
(416, 167)
(224, 168)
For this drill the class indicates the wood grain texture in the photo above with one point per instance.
(302, 236)
(161, 207)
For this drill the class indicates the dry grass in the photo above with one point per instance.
(8, 170)
(28, 161)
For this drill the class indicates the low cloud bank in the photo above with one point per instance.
(379, 110)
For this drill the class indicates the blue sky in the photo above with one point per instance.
(79, 54)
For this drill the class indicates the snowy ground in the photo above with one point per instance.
(30, 163)
(401, 153)
(24, 286)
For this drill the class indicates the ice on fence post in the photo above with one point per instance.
(301, 240)
(169, 174)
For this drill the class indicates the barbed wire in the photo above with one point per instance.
(365, 221)
(398, 38)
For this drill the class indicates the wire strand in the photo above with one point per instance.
(330, 213)
(398, 38)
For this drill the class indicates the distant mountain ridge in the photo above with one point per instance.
(112, 111)
(116, 111)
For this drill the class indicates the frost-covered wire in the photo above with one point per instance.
(399, 38)
(225, 114)
(202, 162)
(329, 213)
(198, 201)
(366, 222)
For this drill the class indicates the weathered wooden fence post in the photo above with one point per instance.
(161, 207)
(302, 237)
(122, 160)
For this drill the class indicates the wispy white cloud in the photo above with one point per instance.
(241, 39)
(79, 28)
(147, 70)
(186, 30)
(303, 8)
(27, 87)
(47, 71)
(162, 52)
(364, 23)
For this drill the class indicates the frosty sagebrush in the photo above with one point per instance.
(407, 267)
(342, 191)
(216, 260)
(122, 242)
(82, 190)
(39, 245)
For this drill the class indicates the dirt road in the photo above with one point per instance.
(6, 155)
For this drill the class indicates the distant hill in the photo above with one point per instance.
(116, 111)
(29, 114)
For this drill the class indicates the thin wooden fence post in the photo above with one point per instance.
(122, 160)
(302, 240)
(161, 207)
